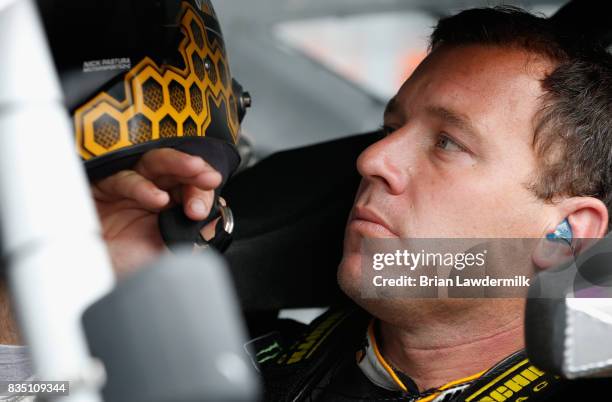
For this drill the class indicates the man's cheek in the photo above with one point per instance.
(459, 214)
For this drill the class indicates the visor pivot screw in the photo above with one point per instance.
(246, 100)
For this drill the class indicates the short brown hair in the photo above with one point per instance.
(573, 128)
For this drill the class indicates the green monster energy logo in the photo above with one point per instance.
(268, 353)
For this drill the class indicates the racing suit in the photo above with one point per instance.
(336, 358)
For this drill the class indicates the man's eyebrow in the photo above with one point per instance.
(459, 120)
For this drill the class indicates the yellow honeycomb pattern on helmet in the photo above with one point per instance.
(161, 101)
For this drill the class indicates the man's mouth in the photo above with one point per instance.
(369, 223)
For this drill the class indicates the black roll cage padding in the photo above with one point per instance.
(584, 21)
(290, 211)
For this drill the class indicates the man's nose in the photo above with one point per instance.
(386, 161)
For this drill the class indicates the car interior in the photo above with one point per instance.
(313, 113)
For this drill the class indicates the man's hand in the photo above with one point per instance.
(129, 202)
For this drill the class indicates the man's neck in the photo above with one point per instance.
(434, 358)
(8, 328)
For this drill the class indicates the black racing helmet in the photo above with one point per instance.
(144, 74)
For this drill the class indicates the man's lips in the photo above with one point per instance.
(369, 222)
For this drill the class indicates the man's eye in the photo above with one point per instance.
(447, 144)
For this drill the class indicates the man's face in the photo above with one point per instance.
(459, 156)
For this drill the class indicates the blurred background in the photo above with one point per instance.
(323, 69)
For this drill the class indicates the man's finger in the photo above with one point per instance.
(170, 162)
(128, 184)
(208, 180)
(196, 202)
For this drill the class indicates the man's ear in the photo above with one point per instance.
(587, 216)
(588, 219)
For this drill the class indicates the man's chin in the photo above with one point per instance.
(396, 310)
(350, 281)
(349, 275)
